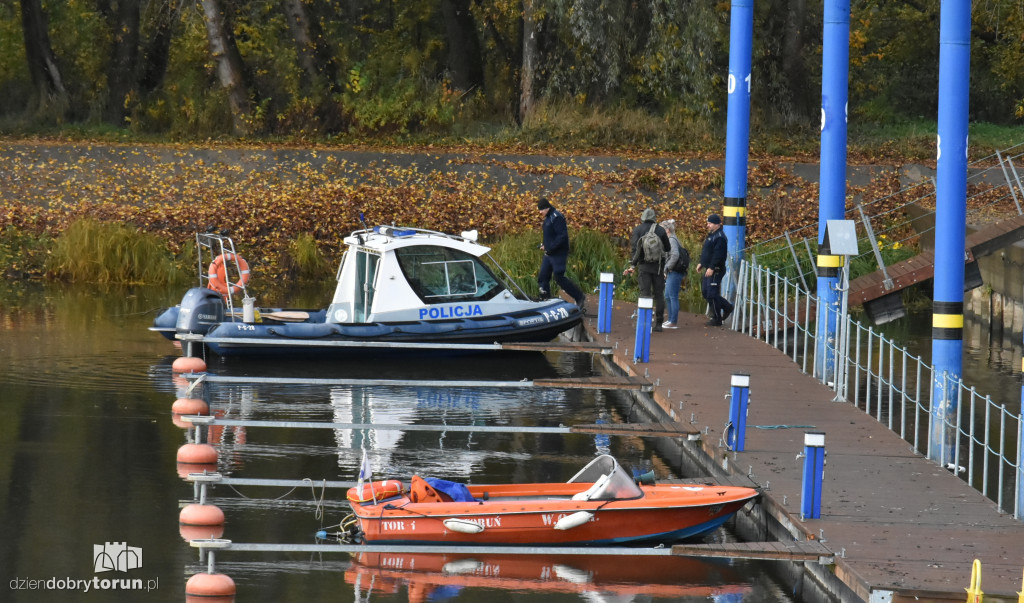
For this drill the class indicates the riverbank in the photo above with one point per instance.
(266, 197)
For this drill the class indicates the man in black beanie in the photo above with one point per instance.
(556, 254)
(712, 269)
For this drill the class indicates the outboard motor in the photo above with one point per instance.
(200, 309)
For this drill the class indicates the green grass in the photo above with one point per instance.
(304, 260)
(94, 252)
(623, 129)
(592, 253)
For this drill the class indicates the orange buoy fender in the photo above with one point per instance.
(191, 532)
(210, 585)
(371, 491)
(197, 454)
(201, 515)
(188, 364)
(218, 274)
(190, 406)
(186, 469)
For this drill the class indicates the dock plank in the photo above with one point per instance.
(797, 550)
(665, 429)
(600, 382)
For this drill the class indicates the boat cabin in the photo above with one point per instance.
(391, 274)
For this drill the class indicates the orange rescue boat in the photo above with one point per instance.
(601, 504)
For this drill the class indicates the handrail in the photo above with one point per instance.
(888, 383)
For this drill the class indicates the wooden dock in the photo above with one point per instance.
(898, 524)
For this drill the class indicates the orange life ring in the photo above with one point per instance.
(218, 274)
(375, 491)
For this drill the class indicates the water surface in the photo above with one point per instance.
(87, 459)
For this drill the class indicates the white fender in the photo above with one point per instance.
(463, 526)
(575, 520)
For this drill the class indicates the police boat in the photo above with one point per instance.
(397, 288)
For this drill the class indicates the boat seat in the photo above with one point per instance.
(596, 491)
(422, 492)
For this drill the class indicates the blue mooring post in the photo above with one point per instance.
(814, 474)
(950, 227)
(642, 351)
(738, 399)
(737, 137)
(832, 188)
(604, 304)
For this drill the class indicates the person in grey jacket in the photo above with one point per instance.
(676, 265)
(650, 276)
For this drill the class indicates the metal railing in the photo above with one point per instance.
(888, 383)
(994, 189)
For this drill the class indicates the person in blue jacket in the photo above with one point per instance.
(556, 255)
(712, 270)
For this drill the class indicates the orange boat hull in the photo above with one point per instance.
(527, 514)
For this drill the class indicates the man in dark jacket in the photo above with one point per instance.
(650, 276)
(712, 270)
(556, 254)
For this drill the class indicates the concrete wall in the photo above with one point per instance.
(997, 305)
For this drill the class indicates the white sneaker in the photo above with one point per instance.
(669, 325)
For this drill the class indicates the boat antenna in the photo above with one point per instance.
(362, 220)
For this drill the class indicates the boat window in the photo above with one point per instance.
(366, 280)
(620, 484)
(442, 274)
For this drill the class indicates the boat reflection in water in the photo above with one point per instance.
(596, 577)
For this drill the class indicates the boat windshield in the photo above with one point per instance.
(619, 484)
(442, 274)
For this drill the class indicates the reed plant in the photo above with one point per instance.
(103, 252)
(592, 253)
(304, 260)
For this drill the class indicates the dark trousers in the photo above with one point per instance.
(555, 264)
(711, 287)
(652, 284)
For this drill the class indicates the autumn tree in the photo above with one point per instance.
(122, 67)
(229, 66)
(42, 64)
(465, 64)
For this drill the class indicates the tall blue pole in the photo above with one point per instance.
(737, 136)
(950, 223)
(835, 71)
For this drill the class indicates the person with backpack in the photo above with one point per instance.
(676, 265)
(556, 255)
(648, 246)
(712, 270)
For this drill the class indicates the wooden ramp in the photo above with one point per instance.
(795, 550)
(591, 347)
(672, 430)
(921, 267)
(627, 382)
